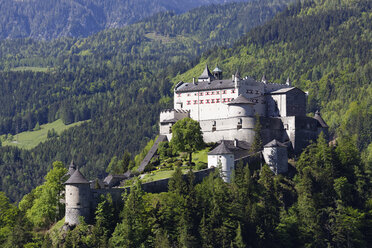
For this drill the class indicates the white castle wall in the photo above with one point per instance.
(204, 105)
(227, 164)
(276, 158)
(228, 129)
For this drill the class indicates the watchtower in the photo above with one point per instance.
(222, 156)
(78, 198)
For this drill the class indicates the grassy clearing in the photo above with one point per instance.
(161, 174)
(30, 139)
(201, 156)
(158, 37)
(30, 68)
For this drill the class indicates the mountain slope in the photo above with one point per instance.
(78, 18)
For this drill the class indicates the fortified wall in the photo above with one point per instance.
(81, 198)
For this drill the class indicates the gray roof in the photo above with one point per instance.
(77, 178)
(241, 99)
(275, 143)
(283, 91)
(170, 121)
(206, 73)
(320, 120)
(213, 85)
(220, 149)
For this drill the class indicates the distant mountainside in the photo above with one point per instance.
(51, 19)
(118, 78)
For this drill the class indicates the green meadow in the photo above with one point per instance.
(30, 139)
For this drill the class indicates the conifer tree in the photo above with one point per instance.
(257, 140)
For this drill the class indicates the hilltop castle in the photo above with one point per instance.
(226, 110)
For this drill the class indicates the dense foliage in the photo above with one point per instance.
(117, 78)
(52, 19)
(326, 204)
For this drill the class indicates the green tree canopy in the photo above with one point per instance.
(187, 136)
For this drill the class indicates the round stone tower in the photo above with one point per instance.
(241, 107)
(78, 198)
(222, 156)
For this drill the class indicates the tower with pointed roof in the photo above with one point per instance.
(206, 76)
(221, 156)
(78, 198)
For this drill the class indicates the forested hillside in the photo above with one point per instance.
(118, 78)
(59, 18)
(325, 49)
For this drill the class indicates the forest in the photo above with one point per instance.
(46, 20)
(119, 79)
(327, 203)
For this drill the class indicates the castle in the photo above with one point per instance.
(227, 111)
(227, 108)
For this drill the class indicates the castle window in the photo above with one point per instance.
(217, 100)
(232, 91)
(212, 101)
(212, 93)
(188, 102)
(239, 126)
(249, 91)
(224, 92)
(217, 92)
(201, 93)
(195, 101)
(232, 99)
(207, 101)
(178, 95)
(214, 126)
(201, 102)
(188, 94)
(207, 93)
(196, 94)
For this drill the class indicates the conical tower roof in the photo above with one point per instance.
(77, 178)
(320, 120)
(206, 73)
(220, 149)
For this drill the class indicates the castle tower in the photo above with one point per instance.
(222, 156)
(78, 197)
(217, 73)
(241, 107)
(276, 156)
(206, 76)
